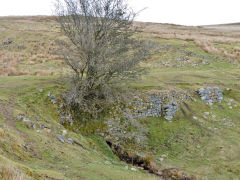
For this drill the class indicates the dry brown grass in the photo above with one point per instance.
(236, 49)
(11, 173)
(34, 42)
(8, 65)
(203, 36)
(29, 18)
(209, 47)
(32, 50)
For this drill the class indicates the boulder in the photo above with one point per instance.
(60, 138)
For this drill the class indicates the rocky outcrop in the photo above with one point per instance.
(169, 110)
(154, 107)
(211, 95)
(64, 116)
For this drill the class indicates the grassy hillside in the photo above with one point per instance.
(33, 148)
(202, 140)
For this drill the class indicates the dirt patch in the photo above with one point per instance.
(7, 109)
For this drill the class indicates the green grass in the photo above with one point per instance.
(193, 145)
(207, 147)
(40, 154)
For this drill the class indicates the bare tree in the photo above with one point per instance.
(103, 49)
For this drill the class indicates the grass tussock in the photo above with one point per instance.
(28, 47)
(203, 36)
(11, 173)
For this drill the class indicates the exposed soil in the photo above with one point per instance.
(146, 165)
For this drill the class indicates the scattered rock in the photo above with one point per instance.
(164, 63)
(195, 118)
(39, 131)
(178, 59)
(26, 120)
(33, 125)
(133, 169)
(43, 126)
(60, 138)
(65, 118)
(53, 101)
(69, 140)
(19, 117)
(52, 98)
(186, 58)
(161, 159)
(207, 113)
